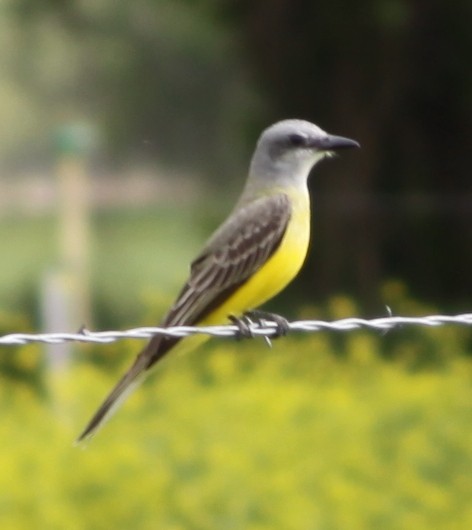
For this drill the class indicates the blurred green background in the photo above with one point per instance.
(127, 131)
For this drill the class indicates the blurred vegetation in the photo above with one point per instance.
(140, 70)
(191, 84)
(135, 260)
(306, 435)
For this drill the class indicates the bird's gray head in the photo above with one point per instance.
(288, 150)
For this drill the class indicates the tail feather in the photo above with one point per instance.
(154, 351)
(131, 380)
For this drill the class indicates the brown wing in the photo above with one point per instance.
(234, 253)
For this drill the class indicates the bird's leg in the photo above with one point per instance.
(282, 325)
(243, 324)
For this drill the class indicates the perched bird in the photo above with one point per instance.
(252, 256)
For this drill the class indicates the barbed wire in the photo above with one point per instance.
(261, 328)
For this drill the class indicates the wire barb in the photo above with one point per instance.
(257, 329)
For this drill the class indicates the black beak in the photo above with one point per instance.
(333, 143)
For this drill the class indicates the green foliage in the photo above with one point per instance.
(239, 436)
(23, 365)
(139, 71)
(136, 255)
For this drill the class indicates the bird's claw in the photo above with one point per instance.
(244, 322)
(261, 317)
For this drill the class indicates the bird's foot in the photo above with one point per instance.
(262, 317)
(243, 324)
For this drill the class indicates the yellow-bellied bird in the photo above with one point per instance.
(252, 256)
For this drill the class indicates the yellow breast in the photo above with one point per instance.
(278, 271)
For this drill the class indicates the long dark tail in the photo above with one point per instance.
(154, 350)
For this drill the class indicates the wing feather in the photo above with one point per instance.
(239, 249)
(235, 252)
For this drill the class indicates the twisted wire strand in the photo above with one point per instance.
(263, 328)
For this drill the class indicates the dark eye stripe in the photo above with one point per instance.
(297, 140)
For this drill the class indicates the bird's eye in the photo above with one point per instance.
(297, 140)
